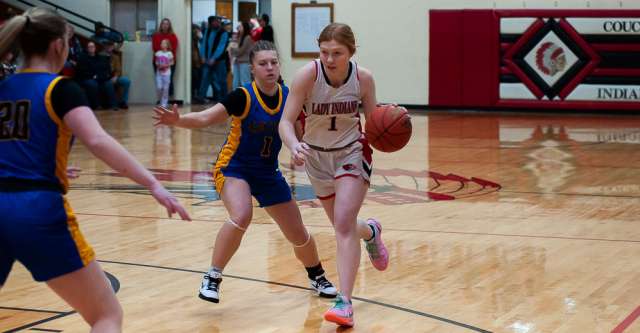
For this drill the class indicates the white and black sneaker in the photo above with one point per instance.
(323, 287)
(209, 290)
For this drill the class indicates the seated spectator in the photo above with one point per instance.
(8, 65)
(75, 49)
(119, 81)
(93, 72)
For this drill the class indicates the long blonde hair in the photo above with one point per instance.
(33, 31)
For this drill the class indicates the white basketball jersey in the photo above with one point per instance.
(332, 118)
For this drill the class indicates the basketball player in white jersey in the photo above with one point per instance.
(336, 155)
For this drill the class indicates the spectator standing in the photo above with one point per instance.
(213, 53)
(267, 29)
(166, 32)
(240, 53)
(256, 29)
(196, 60)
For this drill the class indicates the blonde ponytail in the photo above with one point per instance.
(32, 31)
(10, 32)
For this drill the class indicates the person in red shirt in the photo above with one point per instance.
(166, 32)
(256, 32)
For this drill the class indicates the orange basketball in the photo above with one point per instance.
(388, 128)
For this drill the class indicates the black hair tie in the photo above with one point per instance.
(28, 21)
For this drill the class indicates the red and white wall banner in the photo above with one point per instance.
(573, 59)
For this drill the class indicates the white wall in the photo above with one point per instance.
(392, 37)
(202, 9)
(98, 10)
(137, 66)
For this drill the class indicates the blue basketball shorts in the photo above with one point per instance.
(269, 188)
(39, 229)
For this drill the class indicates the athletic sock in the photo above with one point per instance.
(315, 271)
(215, 271)
(373, 232)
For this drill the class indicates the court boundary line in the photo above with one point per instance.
(388, 229)
(31, 310)
(115, 284)
(618, 196)
(362, 299)
(626, 322)
(42, 321)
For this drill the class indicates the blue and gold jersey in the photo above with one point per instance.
(34, 142)
(253, 143)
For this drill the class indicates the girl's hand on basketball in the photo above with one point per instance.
(383, 104)
(394, 105)
(169, 201)
(299, 152)
(164, 116)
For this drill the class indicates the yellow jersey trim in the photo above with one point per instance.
(64, 138)
(233, 141)
(264, 106)
(227, 152)
(33, 70)
(247, 105)
(49, 104)
(84, 249)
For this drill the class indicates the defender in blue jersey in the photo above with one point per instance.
(39, 113)
(252, 146)
(247, 166)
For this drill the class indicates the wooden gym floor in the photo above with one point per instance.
(495, 223)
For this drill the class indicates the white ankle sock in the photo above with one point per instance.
(215, 272)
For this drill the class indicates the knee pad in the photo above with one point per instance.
(305, 242)
(235, 225)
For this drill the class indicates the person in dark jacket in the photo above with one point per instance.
(267, 30)
(93, 72)
(214, 60)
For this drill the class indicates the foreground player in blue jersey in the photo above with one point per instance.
(247, 166)
(39, 113)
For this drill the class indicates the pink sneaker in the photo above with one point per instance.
(377, 251)
(341, 313)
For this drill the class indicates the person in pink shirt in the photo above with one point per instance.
(164, 62)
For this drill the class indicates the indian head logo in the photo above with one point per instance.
(550, 59)
(388, 187)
